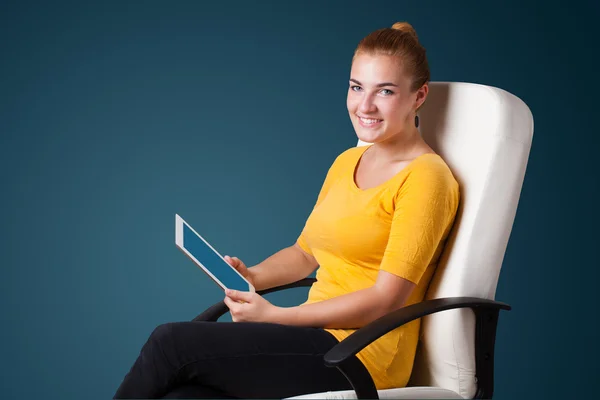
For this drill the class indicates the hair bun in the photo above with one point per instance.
(406, 28)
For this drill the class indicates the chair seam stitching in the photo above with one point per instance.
(457, 362)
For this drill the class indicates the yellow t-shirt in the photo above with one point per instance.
(399, 226)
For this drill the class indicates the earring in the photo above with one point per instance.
(417, 121)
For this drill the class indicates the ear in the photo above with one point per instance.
(421, 96)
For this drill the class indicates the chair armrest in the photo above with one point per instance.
(306, 282)
(217, 310)
(364, 336)
(343, 355)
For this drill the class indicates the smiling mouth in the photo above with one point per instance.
(369, 121)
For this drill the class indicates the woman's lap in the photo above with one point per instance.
(245, 360)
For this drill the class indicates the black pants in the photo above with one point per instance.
(232, 360)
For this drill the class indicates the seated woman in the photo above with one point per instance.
(376, 232)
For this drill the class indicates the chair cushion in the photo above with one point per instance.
(402, 393)
(484, 134)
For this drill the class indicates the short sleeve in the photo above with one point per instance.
(303, 245)
(425, 206)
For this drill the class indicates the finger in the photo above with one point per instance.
(239, 295)
(232, 261)
(231, 304)
(237, 261)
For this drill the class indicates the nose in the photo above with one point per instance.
(367, 105)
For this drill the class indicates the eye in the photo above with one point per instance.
(387, 92)
(355, 88)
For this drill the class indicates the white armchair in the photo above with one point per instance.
(484, 134)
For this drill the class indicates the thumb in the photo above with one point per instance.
(238, 295)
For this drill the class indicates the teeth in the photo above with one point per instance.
(369, 120)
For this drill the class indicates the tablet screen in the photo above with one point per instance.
(211, 261)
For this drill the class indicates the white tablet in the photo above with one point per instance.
(207, 258)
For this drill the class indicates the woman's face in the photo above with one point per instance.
(379, 101)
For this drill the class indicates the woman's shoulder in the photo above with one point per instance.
(432, 167)
(432, 163)
(348, 157)
(351, 153)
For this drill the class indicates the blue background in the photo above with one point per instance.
(115, 116)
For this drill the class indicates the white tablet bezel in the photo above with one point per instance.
(179, 242)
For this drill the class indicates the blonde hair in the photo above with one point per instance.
(400, 41)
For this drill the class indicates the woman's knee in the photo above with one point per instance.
(172, 331)
(161, 334)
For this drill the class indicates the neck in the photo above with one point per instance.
(401, 147)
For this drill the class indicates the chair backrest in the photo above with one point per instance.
(484, 134)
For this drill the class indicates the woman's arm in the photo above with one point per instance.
(425, 207)
(352, 310)
(286, 266)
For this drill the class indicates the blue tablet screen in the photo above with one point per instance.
(211, 261)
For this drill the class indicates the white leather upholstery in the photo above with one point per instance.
(401, 393)
(484, 134)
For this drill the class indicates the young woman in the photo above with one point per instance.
(376, 232)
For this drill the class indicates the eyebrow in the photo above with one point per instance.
(378, 85)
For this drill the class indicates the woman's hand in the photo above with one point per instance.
(241, 268)
(250, 307)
